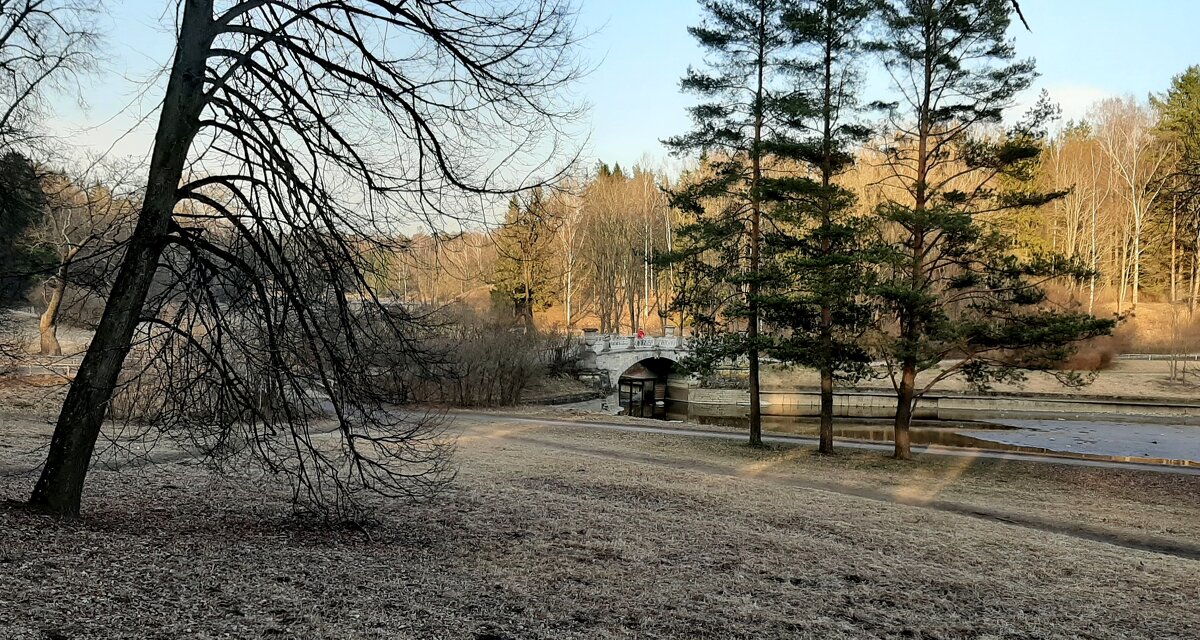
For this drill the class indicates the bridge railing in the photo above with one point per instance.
(612, 342)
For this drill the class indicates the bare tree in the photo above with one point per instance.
(292, 134)
(568, 202)
(1125, 133)
(86, 220)
(44, 46)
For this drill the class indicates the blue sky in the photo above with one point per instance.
(1086, 50)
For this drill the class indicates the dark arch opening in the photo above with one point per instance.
(659, 367)
(642, 388)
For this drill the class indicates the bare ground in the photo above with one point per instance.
(571, 532)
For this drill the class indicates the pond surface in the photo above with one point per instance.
(1115, 441)
(949, 435)
(1175, 445)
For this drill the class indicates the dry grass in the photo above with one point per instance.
(1158, 328)
(557, 532)
(1127, 502)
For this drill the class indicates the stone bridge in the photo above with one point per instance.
(613, 355)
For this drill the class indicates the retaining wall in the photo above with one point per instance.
(946, 406)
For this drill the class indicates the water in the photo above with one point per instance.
(946, 436)
(1114, 441)
(1145, 443)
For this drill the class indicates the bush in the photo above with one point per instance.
(1100, 353)
(485, 362)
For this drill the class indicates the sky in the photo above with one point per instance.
(638, 49)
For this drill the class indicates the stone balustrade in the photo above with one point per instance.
(600, 343)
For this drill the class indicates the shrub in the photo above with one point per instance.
(486, 362)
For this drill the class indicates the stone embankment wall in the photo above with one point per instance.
(803, 402)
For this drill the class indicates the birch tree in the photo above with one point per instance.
(1125, 132)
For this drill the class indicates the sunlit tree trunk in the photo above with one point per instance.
(48, 323)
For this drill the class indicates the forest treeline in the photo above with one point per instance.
(589, 250)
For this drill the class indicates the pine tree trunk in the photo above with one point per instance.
(631, 298)
(904, 407)
(826, 445)
(60, 487)
(827, 138)
(911, 327)
(755, 231)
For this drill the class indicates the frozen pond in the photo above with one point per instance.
(1167, 443)
(1134, 442)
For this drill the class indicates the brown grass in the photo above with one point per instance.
(556, 532)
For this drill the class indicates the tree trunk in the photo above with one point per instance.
(1195, 279)
(48, 323)
(631, 298)
(1095, 262)
(1195, 282)
(1174, 260)
(904, 407)
(827, 137)
(1137, 266)
(60, 487)
(826, 445)
(570, 270)
(1124, 275)
(755, 230)
(910, 320)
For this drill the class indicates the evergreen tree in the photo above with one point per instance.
(1179, 119)
(1179, 124)
(747, 111)
(820, 247)
(22, 205)
(954, 286)
(525, 279)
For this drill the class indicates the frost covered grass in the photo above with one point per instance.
(569, 532)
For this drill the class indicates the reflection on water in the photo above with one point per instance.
(737, 416)
(975, 435)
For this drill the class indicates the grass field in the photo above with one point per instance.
(572, 532)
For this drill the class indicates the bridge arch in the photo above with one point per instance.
(608, 357)
(642, 388)
(660, 366)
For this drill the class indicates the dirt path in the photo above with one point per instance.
(495, 427)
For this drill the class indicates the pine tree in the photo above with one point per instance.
(748, 50)
(1179, 124)
(22, 205)
(525, 279)
(1179, 118)
(820, 247)
(954, 286)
